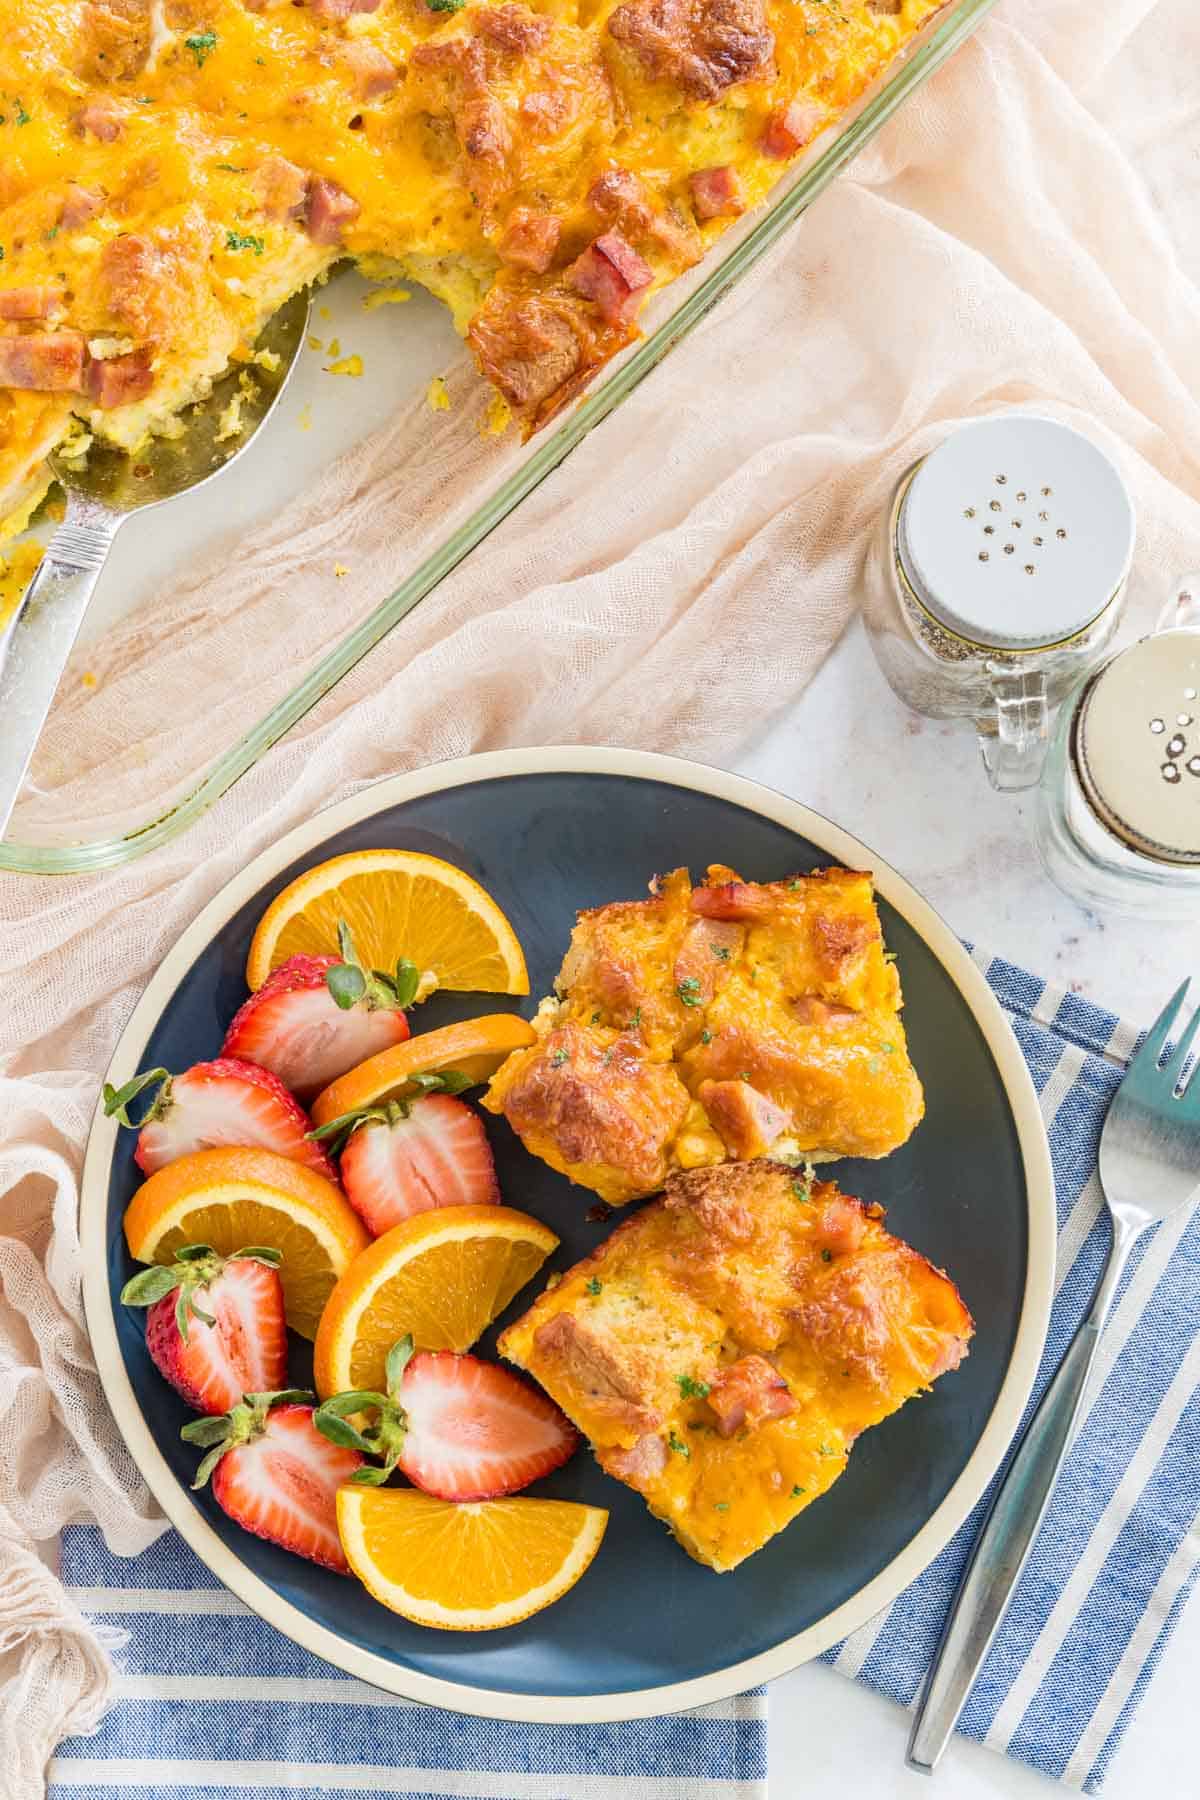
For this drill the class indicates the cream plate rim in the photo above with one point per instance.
(938, 1529)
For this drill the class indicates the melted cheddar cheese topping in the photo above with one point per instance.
(728, 1021)
(725, 1348)
(171, 170)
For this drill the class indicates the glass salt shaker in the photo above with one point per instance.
(996, 579)
(1118, 813)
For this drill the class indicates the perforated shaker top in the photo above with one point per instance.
(1137, 746)
(1016, 532)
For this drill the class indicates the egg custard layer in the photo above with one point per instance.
(724, 1349)
(172, 170)
(723, 1022)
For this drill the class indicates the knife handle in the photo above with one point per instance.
(1003, 1545)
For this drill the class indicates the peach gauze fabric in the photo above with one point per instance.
(1024, 233)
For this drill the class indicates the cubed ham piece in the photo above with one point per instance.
(119, 380)
(841, 1226)
(330, 210)
(746, 900)
(44, 361)
(101, 118)
(747, 1394)
(789, 129)
(749, 1123)
(716, 193)
(342, 9)
(810, 1009)
(640, 1465)
(611, 273)
(80, 205)
(530, 239)
(30, 302)
(372, 73)
(280, 187)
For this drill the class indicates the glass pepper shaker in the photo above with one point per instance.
(996, 579)
(1118, 814)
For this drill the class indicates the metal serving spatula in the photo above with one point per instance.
(1149, 1169)
(101, 494)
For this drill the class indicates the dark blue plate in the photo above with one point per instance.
(646, 1629)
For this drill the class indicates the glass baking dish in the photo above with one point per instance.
(53, 829)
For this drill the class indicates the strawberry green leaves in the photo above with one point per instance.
(385, 1438)
(195, 1268)
(391, 1112)
(241, 1425)
(351, 984)
(116, 1100)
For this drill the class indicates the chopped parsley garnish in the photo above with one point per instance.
(802, 1183)
(745, 1075)
(594, 1285)
(691, 1388)
(635, 1022)
(797, 1491)
(238, 240)
(824, 1450)
(201, 46)
(232, 168)
(445, 5)
(689, 991)
(721, 952)
(678, 1446)
(706, 1037)
(720, 1506)
(22, 117)
(887, 1049)
(827, 1256)
(558, 1058)
(595, 1018)
(793, 885)
(889, 956)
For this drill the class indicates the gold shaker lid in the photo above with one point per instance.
(1136, 745)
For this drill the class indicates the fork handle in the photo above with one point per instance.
(1003, 1545)
(35, 647)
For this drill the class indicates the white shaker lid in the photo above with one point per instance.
(1137, 746)
(1016, 532)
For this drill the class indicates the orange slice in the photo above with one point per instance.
(396, 903)
(476, 1047)
(229, 1198)
(468, 1566)
(441, 1275)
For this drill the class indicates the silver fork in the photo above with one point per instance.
(1149, 1169)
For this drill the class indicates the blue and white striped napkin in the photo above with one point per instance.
(213, 1698)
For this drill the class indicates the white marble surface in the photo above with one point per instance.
(915, 792)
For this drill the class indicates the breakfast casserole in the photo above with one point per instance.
(172, 170)
(723, 1022)
(726, 1347)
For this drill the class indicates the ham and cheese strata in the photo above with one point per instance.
(171, 170)
(727, 1345)
(729, 1021)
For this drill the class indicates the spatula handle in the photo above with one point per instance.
(38, 640)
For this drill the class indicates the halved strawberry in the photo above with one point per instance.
(458, 1427)
(216, 1326)
(316, 1017)
(275, 1475)
(213, 1103)
(410, 1156)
